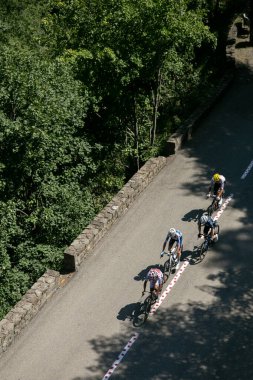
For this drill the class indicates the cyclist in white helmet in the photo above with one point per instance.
(217, 187)
(208, 225)
(174, 236)
(155, 277)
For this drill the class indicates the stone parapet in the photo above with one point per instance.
(29, 305)
(91, 235)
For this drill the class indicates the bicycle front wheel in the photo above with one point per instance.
(147, 307)
(168, 266)
(142, 313)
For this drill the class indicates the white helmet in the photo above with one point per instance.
(203, 219)
(172, 232)
(152, 274)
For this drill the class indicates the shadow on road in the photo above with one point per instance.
(211, 340)
(193, 215)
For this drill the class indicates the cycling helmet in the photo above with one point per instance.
(172, 232)
(152, 274)
(203, 219)
(216, 177)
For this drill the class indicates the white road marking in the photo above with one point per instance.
(164, 295)
(247, 170)
(223, 207)
(169, 287)
(121, 356)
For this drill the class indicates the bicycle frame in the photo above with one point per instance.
(170, 262)
(213, 206)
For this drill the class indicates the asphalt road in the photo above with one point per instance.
(203, 328)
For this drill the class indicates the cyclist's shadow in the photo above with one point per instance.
(127, 312)
(186, 255)
(194, 257)
(193, 215)
(132, 310)
(143, 273)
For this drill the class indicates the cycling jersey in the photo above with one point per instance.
(210, 223)
(219, 184)
(178, 238)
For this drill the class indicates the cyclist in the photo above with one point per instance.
(217, 187)
(172, 237)
(209, 227)
(155, 277)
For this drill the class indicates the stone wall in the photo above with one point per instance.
(31, 303)
(90, 236)
(43, 289)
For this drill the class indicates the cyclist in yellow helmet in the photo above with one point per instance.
(217, 186)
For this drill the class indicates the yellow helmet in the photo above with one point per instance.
(216, 177)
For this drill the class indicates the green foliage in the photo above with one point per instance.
(89, 91)
(13, 284)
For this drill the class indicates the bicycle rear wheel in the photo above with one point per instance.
(141, 315)
(210, 210)
(202, 251)
(147, 307)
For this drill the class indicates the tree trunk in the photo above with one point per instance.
(156, 100)
(136, 134)
(251, 21)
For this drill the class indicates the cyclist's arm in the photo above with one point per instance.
(211, 186)
(165, 242)
(221, 188)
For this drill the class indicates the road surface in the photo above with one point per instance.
(203, 328)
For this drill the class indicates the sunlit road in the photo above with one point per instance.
(203, 328)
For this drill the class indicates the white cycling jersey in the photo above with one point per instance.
(221, 182)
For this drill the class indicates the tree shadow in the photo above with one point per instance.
(211, 338)
(211, 341)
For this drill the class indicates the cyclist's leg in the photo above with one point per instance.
(154, 291)
(206, 231)
(180, 245)
(158, 288)
(171, 243)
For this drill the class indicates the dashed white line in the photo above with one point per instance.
(223, 207)
(247, 170)
(169, 287)
(163, 296)
(121, 356)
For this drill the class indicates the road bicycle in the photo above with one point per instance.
(206, 243)
(214, 205)
(141, 315)
(172, 261)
